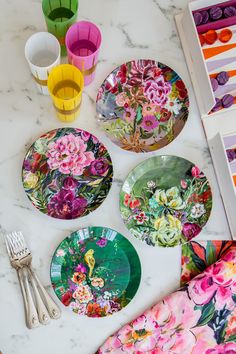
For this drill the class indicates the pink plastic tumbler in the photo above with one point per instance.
(83, 41)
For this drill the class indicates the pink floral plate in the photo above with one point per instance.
(67, 173)
(142, 105)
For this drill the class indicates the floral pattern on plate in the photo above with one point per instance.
(95, 271)
(67, 173)
(142, 105)
(198, 318)
(165, 201)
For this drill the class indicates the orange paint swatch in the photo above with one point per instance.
(211, 52)
(234, 178)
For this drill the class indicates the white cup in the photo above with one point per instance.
(42, 52)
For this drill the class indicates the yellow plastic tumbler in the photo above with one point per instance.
(65, 85)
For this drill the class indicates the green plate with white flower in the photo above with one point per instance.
(95, 272)
(166, 201)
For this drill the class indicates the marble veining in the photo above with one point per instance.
(131, 29)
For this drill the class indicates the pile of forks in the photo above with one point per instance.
(39, 306)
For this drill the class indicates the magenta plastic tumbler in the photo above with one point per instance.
(83, 42)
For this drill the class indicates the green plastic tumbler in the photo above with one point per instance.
(59, 16)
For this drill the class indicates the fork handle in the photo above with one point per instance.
(43, 314)
(23, 292)
(32, 316)
(53, 309)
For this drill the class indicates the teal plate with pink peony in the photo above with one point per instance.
(142, 105)
(165, 201)
(95, 272)
(67, 173)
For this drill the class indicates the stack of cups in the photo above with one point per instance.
(42, 52)
(59, 16)
(65, 84)
(81, 41)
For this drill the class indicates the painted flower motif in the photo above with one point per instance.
(165, 115)
(60, 253)
(102, 242)
(151, 184)
(81, 268)
(183, 93)
(170, 198)
(41, 146)
(99, 167)
(30, 180)
(149, 109)
(196, 172)
(169, 230)
(111, 87)
(85, 135)
(173, 106)
(94, 310)
(202, 290)
(141, 218)
(127, 199)
(129, 115)
(131, 203)
(66, 298)
(122, 99)
(65, 205)
(100, 93)
(68, 154)
(135, 203)
(197, 211)
(231, 327)
(141, 71)
(140, 336)
(78, 308)
(149, 123)
(183, 184)
(83, 294)
(78, 277)
(175, 326)
(97, 282)
(107, 295)
(217, 282)
(104, 304)
(191, 230)
(122, 74)
(153, 204)
(70, 183)
(163, 329)
(225, 348)
(157, 91)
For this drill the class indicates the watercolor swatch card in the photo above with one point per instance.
(230, 149)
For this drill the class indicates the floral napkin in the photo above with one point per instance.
(198, 318)
(197, 256)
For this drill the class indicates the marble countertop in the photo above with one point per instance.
(131, 29)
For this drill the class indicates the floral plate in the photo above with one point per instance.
(95, 271)
(142, 105)
(67, 173)
(165, 201)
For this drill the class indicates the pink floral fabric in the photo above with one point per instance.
(199, 318)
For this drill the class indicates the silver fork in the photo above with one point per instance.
(31, 316)
(24, 258)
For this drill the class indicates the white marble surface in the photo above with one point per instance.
(131, 29)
